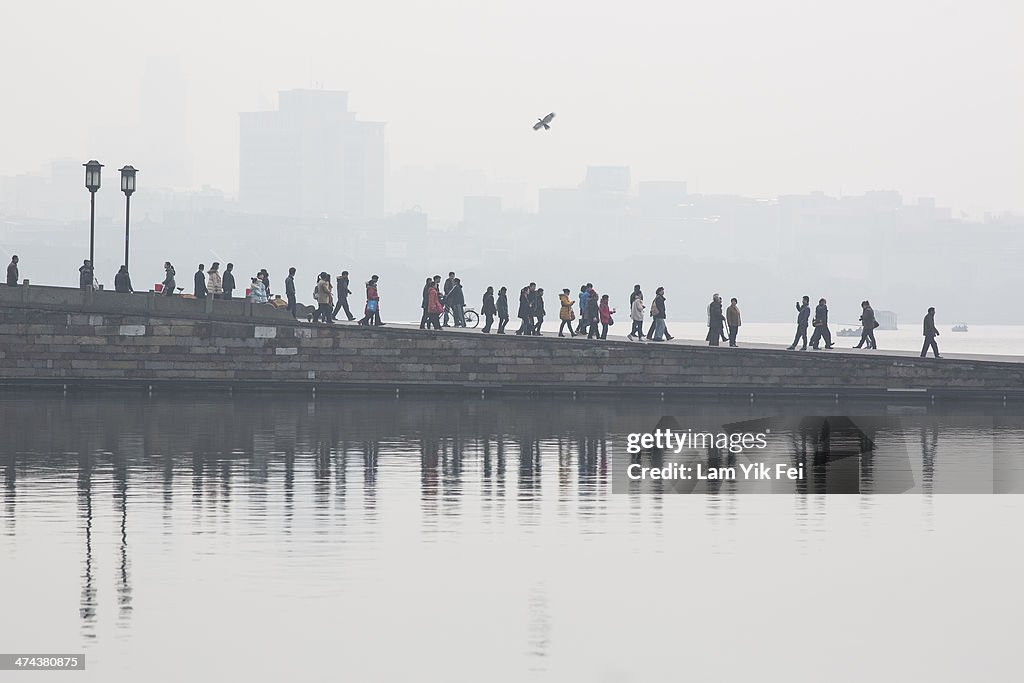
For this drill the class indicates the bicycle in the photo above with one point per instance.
(471, 317)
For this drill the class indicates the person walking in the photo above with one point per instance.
(289, 292)
(12, 272)
(732, 318)
(721, 327)
(315, 315)
(803, 319)
(821, 326)
(199, 280)
(867, 326)
(257, 292)
(456, 302)
(524, 313)
(214, 282)
(425, 303)
(930, 333)
(659, 314)
(565, 313)
(531, 296)
(376, 309)
(538, 311)
(593, 314)
(434, 306)
(371, 315)
(502, 306)
(449, 284)
(582, 298)
(342, 293)
(122, 281)
(168, 285)
(228, 281)
(369, 308)
(654, 321)
(635, 293)
(716, 321)
(605, 313)
(85, 275)
(636, 315)
(439, 287)
(324, 298)
(488, 309)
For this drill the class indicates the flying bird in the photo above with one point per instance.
(543, 123)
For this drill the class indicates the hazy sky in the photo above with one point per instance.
(747, 96)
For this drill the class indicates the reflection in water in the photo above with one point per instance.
(929, 453)
(167, 478)
(430, 460)
(370, 462)
(538, 641)
(198, 462)
(10, 490)
(451, 472)
(529, 480)
(289, 490)
(88, 605)
(322, 484)
(340, 456)
(929, 446)
(124, 589)
(286, 466)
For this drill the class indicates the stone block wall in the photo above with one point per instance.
(75, 342)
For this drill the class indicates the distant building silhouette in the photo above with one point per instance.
(312, 159)
(607, 179)
(662, 198)
(598, 205)
(164, 154)
(887, 320)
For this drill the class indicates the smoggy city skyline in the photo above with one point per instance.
(750, 99)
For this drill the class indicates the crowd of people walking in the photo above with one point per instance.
(331, 301)
(820, 325)
(444, 305)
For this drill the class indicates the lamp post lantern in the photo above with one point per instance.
(92, 183)
(127, 186)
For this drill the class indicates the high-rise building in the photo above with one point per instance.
(312, 159)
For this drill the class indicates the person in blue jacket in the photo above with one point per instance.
(582, 299)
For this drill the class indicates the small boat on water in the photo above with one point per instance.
(960, 327)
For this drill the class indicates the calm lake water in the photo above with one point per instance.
(272, 537)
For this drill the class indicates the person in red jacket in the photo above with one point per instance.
(434, 307)
(372, 311)
(606, 315)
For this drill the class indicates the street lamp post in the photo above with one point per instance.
(127, 186)
(92, 183)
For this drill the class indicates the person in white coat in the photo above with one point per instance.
(636, 314)
(214, 284)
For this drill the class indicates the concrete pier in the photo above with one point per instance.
(71, 339)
